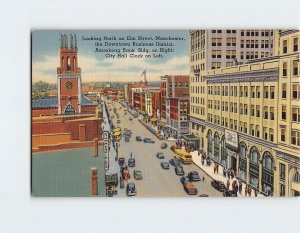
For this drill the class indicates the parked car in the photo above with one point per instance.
(184, 180)
(148, 140)
(138, 138)
(174, 162)
(118, 121)
(194, 176)
(190, 189)
(130, 189)
(165, 165)
(127, 139)
(137, 175)
(164, 145)
(179, 171)
(121, 161)
(160, 155)
(229, 193)
(131, 162)
(203, 195)
(219, 185)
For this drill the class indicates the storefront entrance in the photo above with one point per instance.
(233, 164)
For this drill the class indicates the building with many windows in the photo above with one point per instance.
(214, 49)
(252, 124)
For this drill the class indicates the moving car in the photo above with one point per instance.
(194, 176)
(130, 189)
(219, 185)
(138, 138)
(121, 161)
(183, 156)
(229, 193)
(190, 189)
(179, 171)
(174, 162)
(164, 145)
(160, 155)
(127, 139)
(131, 162)
(148, 140)
(137, 175)
(184, 180)
(165, 165)
(118, 121)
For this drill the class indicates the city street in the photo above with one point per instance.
(156, 181)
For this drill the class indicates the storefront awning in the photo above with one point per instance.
(117, 133)
(190, 137)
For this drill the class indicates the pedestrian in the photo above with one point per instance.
(203, 178)
(224, 171)
(217, 168)
(250, 191)
(202, 161)
(228, 184)
(228, 173)
(214, 168)
(255, 192)
(232, 173)
(246, 190)
(240, 187)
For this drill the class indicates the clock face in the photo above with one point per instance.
(69, 85)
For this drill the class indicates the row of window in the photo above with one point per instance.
(255, 44)
(198, 110)
(243, 91)
(295, 45)
(178, 84)
(295, 68)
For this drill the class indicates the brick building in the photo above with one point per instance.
(69, 120)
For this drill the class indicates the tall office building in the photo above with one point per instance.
(214, 49)
(251, 124)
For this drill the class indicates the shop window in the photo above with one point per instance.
(216, 146)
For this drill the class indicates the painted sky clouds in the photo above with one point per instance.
(94, 65)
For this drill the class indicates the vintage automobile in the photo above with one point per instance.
(148, 140)
(229, 193)
(190, 189)
(165, 165)
(131, 162)
(121, 161)
(174, 162)
(138, 138)
(130, 189)
(219, 185)
(137, 174)
(160, 155)
(184, 180)
(118, 121)
(179, 171)
(127, 139)
(183, 156)
(164, 145)
(194, 176)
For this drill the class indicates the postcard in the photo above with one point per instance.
(165, 113)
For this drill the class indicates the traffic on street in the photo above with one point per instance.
(145, 165)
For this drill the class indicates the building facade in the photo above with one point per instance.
(172, 86)
(251, 124)
(213, 49)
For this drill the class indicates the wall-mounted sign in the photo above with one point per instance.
(105, 136)
(231, 138)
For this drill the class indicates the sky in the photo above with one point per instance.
(96, 67)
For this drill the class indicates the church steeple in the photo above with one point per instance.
(69, 77)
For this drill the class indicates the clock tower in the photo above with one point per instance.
(69, 77)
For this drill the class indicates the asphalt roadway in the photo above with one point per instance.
(156, 181)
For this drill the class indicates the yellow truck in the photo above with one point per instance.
(183, 156)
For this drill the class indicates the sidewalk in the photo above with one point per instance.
(209, 170)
